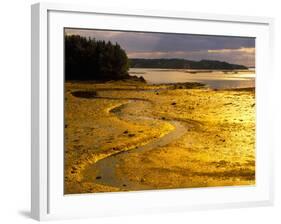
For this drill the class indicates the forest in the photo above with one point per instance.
(90, 59)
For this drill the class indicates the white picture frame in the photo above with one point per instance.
(48, 201)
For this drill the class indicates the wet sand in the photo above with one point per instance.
(124, 136)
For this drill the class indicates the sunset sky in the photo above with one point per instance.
(237, 50)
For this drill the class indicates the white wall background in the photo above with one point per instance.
(15, 110)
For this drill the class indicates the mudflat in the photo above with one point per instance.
(127, 136)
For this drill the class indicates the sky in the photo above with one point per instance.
(236, 50)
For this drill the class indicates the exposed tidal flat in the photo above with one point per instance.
(126, 135)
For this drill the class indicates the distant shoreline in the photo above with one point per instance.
(180, 63)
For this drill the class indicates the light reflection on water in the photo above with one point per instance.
(213, 79)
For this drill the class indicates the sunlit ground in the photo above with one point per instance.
(173, 138)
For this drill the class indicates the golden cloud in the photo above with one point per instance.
(247, 50)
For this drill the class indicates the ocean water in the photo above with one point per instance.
(212, 78)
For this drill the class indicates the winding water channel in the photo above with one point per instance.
(104, 171)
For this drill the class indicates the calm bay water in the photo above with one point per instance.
(213, 79)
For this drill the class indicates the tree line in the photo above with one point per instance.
(177, 63)
(91, 59)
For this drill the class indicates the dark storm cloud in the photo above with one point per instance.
(173, 42)
(193, 47)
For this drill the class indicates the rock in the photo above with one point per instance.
(98, 177)
(124, 185)
(174, 103)
(142, 79)
(131, 135)
(126, 132)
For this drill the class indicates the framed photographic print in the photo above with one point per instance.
(148, 111)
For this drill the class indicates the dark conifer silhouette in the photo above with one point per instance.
(90, 59)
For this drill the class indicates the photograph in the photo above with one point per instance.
(152, 111)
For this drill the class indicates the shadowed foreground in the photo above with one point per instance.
(123, 136)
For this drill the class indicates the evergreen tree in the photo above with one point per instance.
(89, 59)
